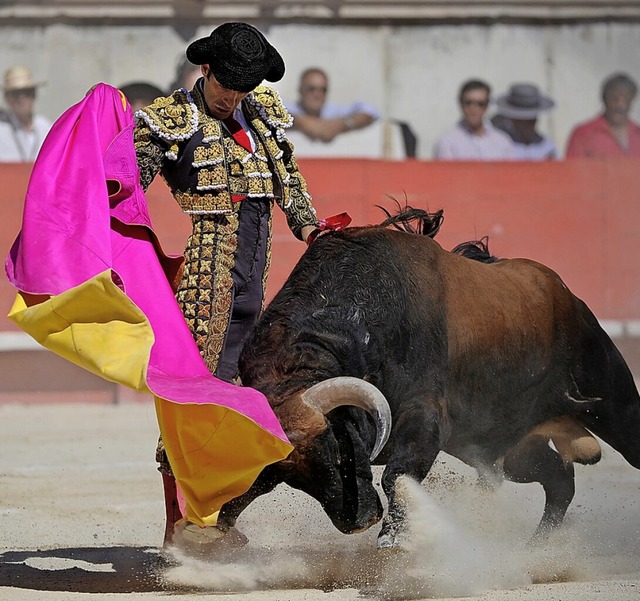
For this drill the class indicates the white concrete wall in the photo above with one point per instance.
(410, 73)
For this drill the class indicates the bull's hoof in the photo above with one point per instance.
(540, 537)
(387, 542)
(548, 525)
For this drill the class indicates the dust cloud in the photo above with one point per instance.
(462, 540)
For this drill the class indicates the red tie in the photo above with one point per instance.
(238, 133)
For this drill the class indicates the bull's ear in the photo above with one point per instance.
(336, 392)
(303, 422)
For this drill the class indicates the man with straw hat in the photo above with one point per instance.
(21, 130)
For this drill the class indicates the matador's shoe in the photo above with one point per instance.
(207, 540)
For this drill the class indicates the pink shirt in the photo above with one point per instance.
(459, 144)
(594, 139)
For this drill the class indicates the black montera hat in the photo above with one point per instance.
(239, 56)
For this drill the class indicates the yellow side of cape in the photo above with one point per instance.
(94, 325)
(218, 464)
(215, 453)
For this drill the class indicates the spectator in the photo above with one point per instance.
(517, 115)
(474, 138)
(140, 93)
(21, 130)
(319, 120)
(612, 134)
(186, 76)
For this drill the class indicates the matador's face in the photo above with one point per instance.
(220, 100)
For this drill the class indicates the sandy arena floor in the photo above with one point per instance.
(81, 516)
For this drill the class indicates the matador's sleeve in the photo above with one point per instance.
(295, 201)
(160, 127)
(299, 210)
(150, 153)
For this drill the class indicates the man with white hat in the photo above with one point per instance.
(517, 115)
(21, 130)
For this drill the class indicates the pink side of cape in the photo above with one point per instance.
(68, 237)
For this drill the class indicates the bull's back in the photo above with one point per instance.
(514, 304)
(407, 280)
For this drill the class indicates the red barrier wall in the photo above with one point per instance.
(581, 218)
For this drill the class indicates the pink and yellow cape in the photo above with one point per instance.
(94, 287)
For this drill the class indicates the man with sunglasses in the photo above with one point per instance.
(474, 138)
(21, 130)
(323, 121)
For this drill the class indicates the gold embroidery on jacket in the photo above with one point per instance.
(205, 202)
(224, 168)
(205, 291)
(173, 117)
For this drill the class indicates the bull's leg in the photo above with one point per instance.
(533, 460)
(231, 510)
(416, 444)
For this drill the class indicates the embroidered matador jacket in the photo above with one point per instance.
(207, 171)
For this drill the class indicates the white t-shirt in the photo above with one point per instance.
(18, 145)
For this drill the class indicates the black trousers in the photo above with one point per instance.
(247, 274)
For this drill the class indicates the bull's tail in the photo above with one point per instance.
(605, 398)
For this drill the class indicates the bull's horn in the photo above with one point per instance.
(336, 392)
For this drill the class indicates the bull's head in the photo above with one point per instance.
(334, 447)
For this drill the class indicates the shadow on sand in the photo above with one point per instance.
(84, 570)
